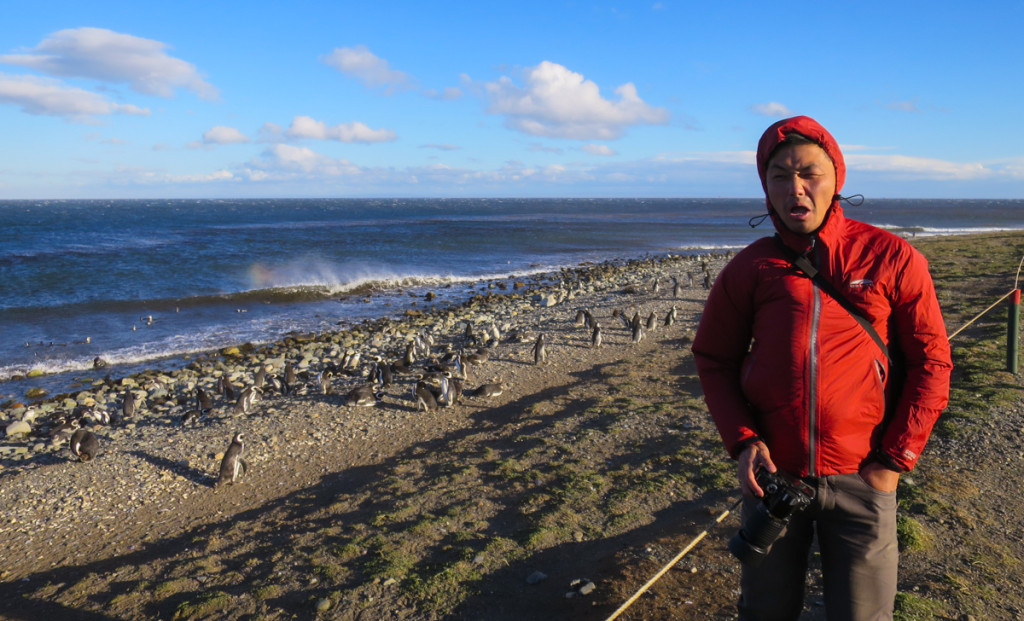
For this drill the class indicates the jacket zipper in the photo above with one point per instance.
(812, 393)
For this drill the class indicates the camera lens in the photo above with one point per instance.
(753, 542)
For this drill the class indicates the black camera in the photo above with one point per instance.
(783, 497)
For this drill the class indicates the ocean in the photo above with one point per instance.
(147, 283)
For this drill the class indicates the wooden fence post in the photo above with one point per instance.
(1013, 333)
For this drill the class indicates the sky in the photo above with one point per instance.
(513, 99)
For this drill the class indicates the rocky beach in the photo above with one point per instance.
(556, 498)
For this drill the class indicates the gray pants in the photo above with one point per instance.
(856, 528)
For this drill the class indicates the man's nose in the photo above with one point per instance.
(796, 185)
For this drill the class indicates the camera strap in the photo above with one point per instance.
(804, 265)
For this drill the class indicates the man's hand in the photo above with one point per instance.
(879, 477)
(754, 456)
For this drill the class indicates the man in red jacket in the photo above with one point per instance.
(796, 384)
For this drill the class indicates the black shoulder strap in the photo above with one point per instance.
(812, 272)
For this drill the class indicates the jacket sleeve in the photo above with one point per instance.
(921, 335)
(719, 348)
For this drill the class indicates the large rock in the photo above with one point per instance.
(17, 428)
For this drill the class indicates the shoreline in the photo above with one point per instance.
(494, 301)
(35, 385)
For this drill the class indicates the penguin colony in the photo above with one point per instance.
(438, 369)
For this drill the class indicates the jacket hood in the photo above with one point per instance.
(807, 127)
(811, 129)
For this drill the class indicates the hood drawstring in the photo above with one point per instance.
(756, 221)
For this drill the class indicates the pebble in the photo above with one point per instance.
(536, 577)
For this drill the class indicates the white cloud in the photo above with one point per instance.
(771, 109)
(108, 56)
(450, 93)
(373, 71)
(917, 167)
(598, 149)
(271, 132)
(43, 96)
(214, 177)
(536, 147)
(308, 127)
(282, 161)
(221, 134)
(731, 158)
(441, 147)
(903, 106)
(559, 103)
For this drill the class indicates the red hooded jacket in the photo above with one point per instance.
(781, 361)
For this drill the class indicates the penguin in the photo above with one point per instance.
(677, 287)
(64, 427)
(95, 416)
(656, 287)
(128, 405)
(246, 400)
(455, 387)
(399, 367)
(203, 402)
(226, 388)
(232, 465)
(290, 378)
(581, 318)
(405, 364)
(381, 373)
(638, 333)
(621, 316)
(652, 321)
(478, 357)
(190, 417)
(323, 382)
(362, 396)
(457, 368)
(425, 397)
(595, 336)
(516, 335)
(260, 378)
(443, 396)
(540, 354)
(487, 391)
(670, 316)
(84, 445)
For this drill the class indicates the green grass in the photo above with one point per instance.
(206, 605)
(910, 607)
(911, 535)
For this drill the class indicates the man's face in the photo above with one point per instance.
(801, 182)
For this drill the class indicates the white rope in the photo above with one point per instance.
(978, 316)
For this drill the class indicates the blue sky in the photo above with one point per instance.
(446, 99)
